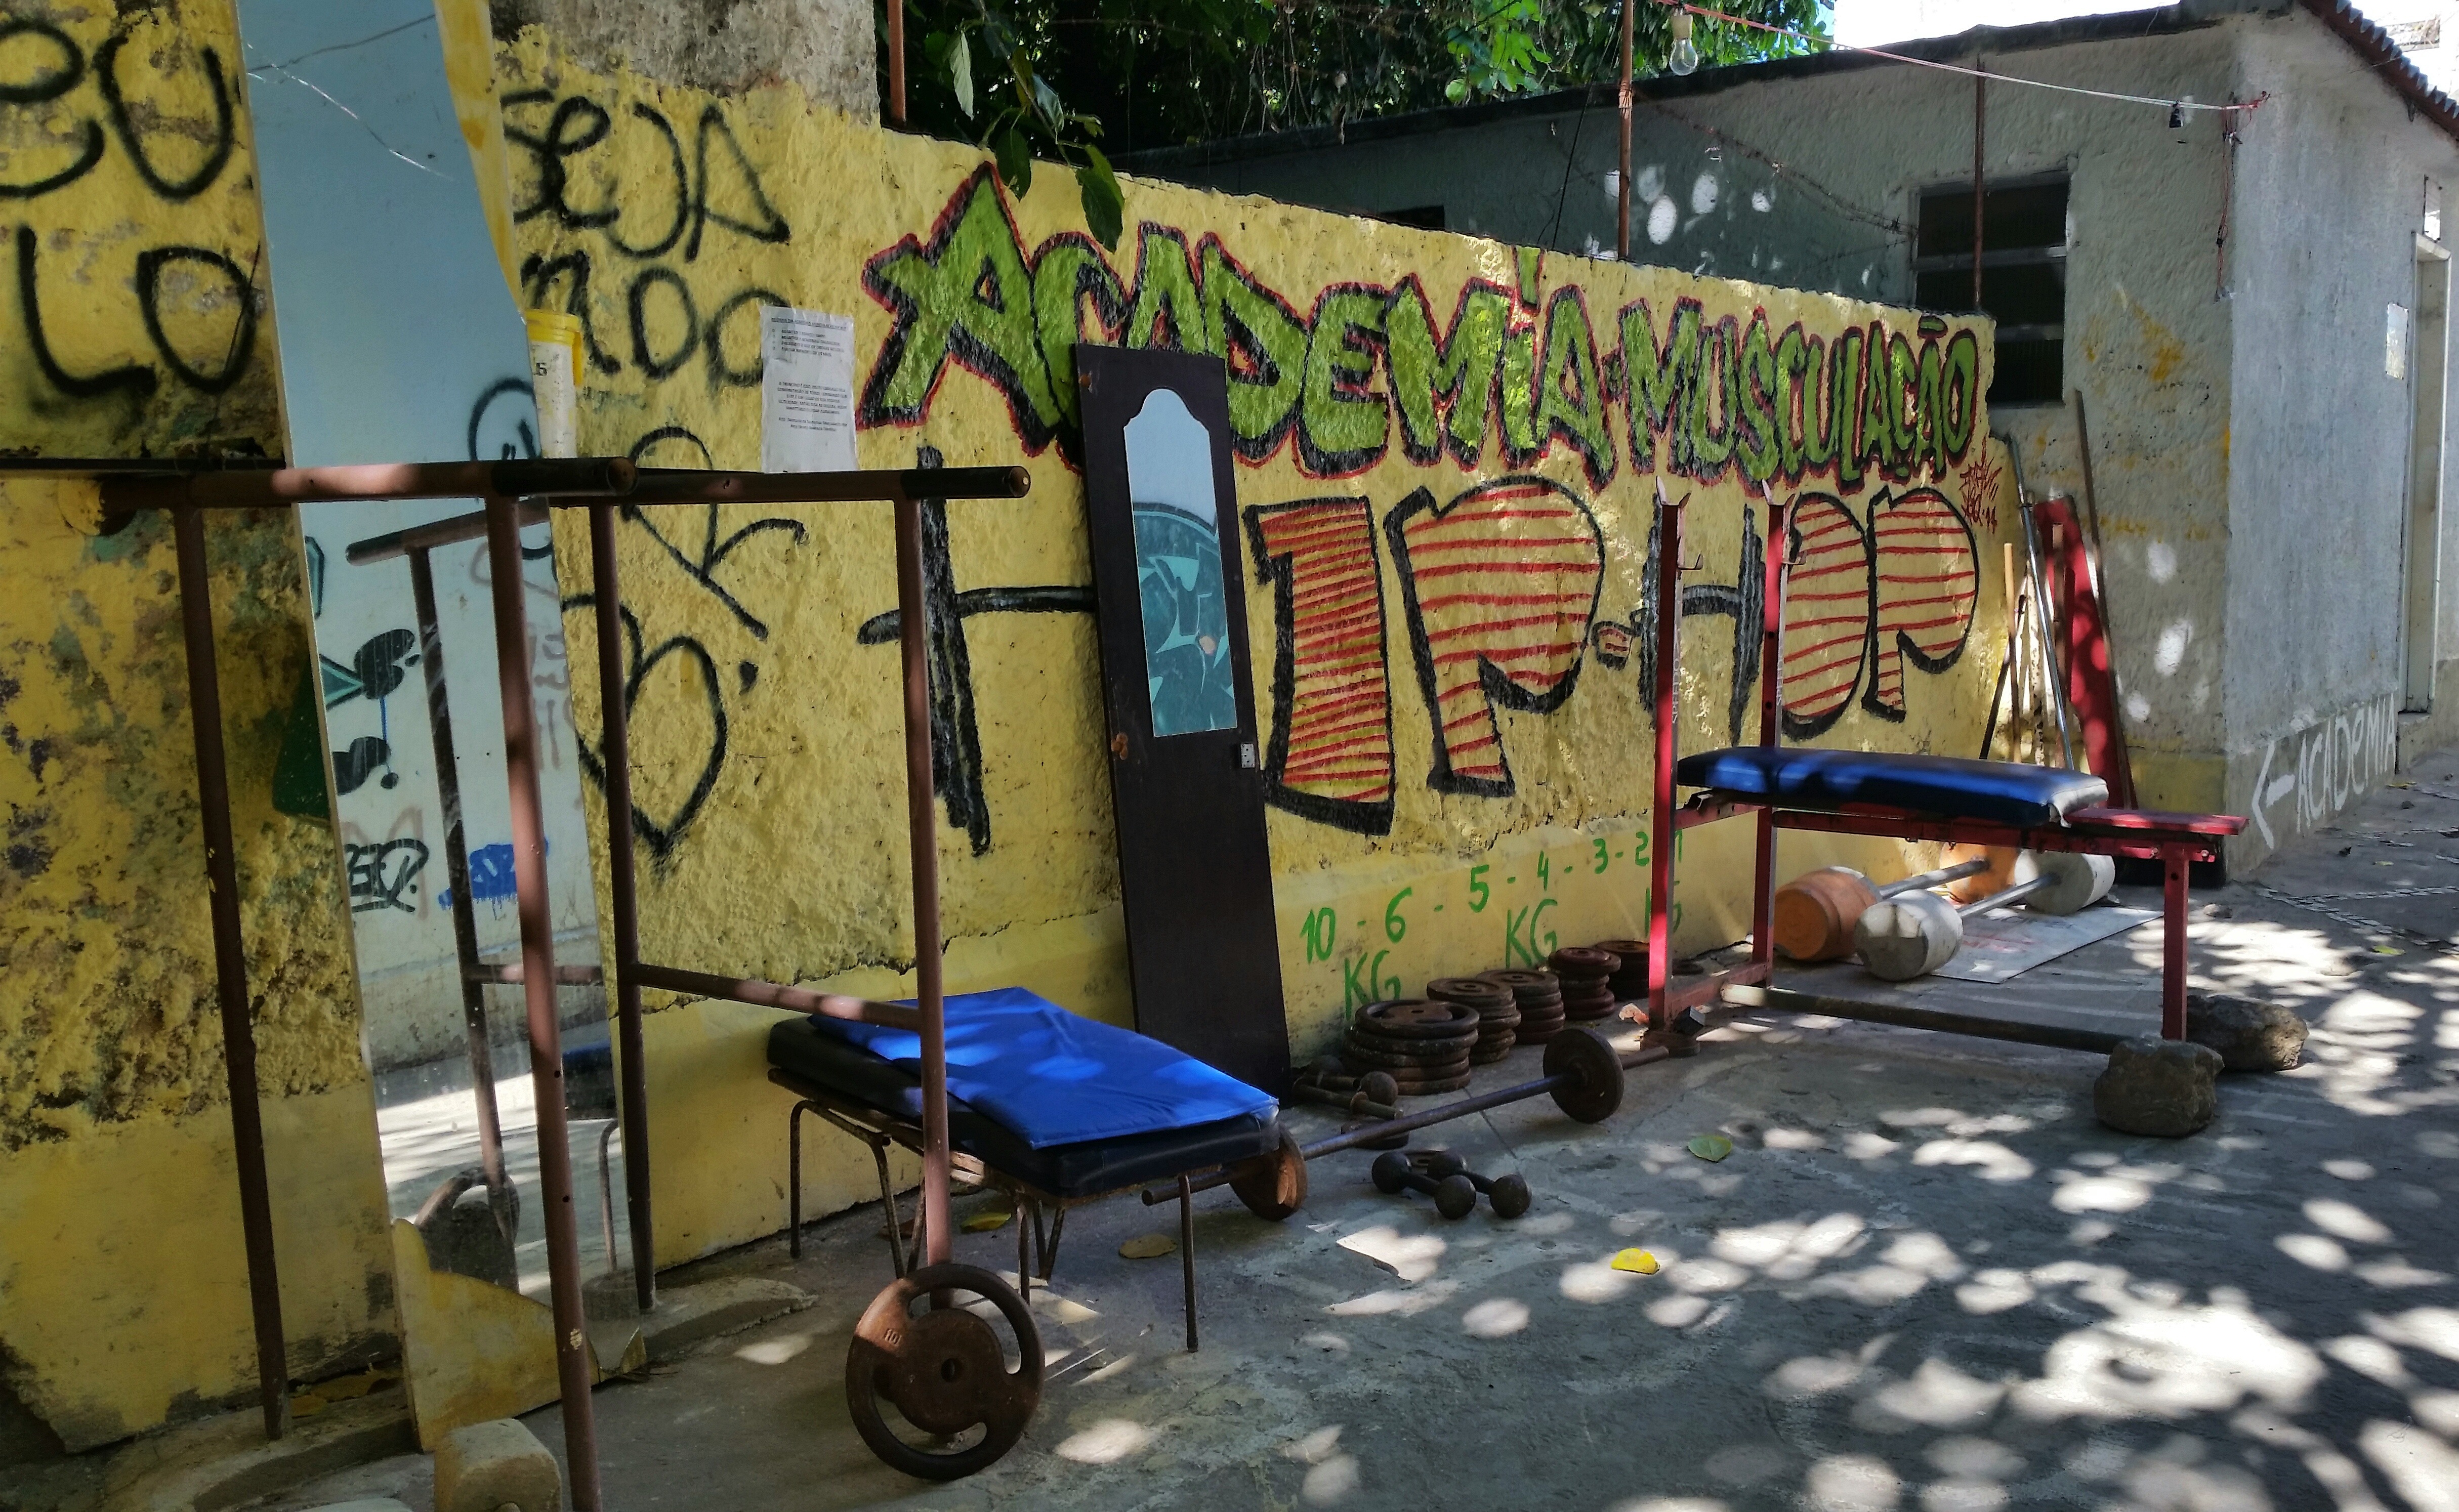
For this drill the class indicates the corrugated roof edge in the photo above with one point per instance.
(2368, 40)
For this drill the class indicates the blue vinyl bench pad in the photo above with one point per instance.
(1947, 786)
(1054, 1078)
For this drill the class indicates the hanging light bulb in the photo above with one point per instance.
(1685, 57)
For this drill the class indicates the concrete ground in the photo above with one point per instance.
(1925, 1277)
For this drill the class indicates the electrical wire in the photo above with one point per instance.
(2172, 105)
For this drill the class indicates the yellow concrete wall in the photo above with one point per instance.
(136, 327)
(768, 778)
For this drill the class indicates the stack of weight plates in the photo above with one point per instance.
(1630, 978)
(1588, 981)
(1423, 1044)
(1497, 1013)
(1540, 998)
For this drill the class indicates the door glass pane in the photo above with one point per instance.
(1178, 569)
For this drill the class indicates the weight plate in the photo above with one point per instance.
(1488, 1052)
(1403, 1053)
(1467, 989)
(1449, 1083)
(1573, 960)
(1595, 1088)
(1521, 980)
(1633, 951)
(1274, 1185)
(1416, 1018)
(944, 1371)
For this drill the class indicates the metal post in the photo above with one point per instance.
(537, 986)
(230, 971)
(924, 839)
(1622, 174)
(896, 61)
(1660, 856)
(465, 910)
(1980, 128)
(1771, 651)
(2173, 942)
(615, 753)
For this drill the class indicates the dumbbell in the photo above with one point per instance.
(1455, 1194)
(1509, 1195)
(1816, 911)
(1915, 933)
(1373, 1098)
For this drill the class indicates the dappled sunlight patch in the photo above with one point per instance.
(2346, 1221)
(2109, 1191)
(1412, 1257)
(2432, 1328)
(1806, 1377)
(2437, 1410)
(1395, 1303)
(1904, 1268)
(1975, 1458)
(2153, 1359)
(2349, 1171)
(1959, 1495)
(1852, 1484)
(1791, 1251)
(776, 1350)
(1677, 1312)
(1994, 1161)
(1106, 1443)
(1747, 1464)
(1707, 1275)
(2370, 1357)
(1936, 1396)
(2390, 1274)
(1994, 1291)
(1328, 1343)
(1672, 1505)
(1782, 1138)
(1598, 1281)
(1495, 1317)
(2313, 1252)
(2421, 1468)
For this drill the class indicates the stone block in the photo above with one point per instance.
(2250, 1034)
(490, 1465)
(2167, 1088)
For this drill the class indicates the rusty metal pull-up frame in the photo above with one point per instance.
(186, 490)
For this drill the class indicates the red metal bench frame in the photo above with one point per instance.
(2176, 840)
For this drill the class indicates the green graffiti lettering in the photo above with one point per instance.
(1883, 406)
(1961, 393)
(1170, 311)
(1759, 450)
(1516, 399)
(1263, 343)
(1793, 361)
(1661, 378)
(1571, 398)
(1715, 402)
(1930, 436)
(967, 296)
(1066, 272)
(1444, 389)
(1844, 406)
(1904, 391)
(1343, 425)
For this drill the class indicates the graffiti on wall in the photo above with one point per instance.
(167, 109)
(1470, 450)
(2316, 770)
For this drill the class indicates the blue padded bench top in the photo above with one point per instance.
(1950, 786)
(803, 1052)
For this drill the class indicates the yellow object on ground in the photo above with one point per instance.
(1638, 1262)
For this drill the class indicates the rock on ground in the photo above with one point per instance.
(2167, 1088)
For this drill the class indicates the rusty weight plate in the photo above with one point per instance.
(1416, 1018)
(945, 1371)
(1595, 1089)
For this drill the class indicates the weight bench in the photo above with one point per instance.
(1053, 1110)
(1883, 793)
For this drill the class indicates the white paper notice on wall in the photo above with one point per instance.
(2395, 341)
(806, 391)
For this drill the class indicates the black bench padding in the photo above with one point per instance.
(829, 1064)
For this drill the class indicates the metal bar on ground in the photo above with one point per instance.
(1940, 1021)
(923, 836)
(507, 588)
(230, 973)
(615, 748)
(463, 908)
(776, 995)
(367, 482)
(1424, 1118)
